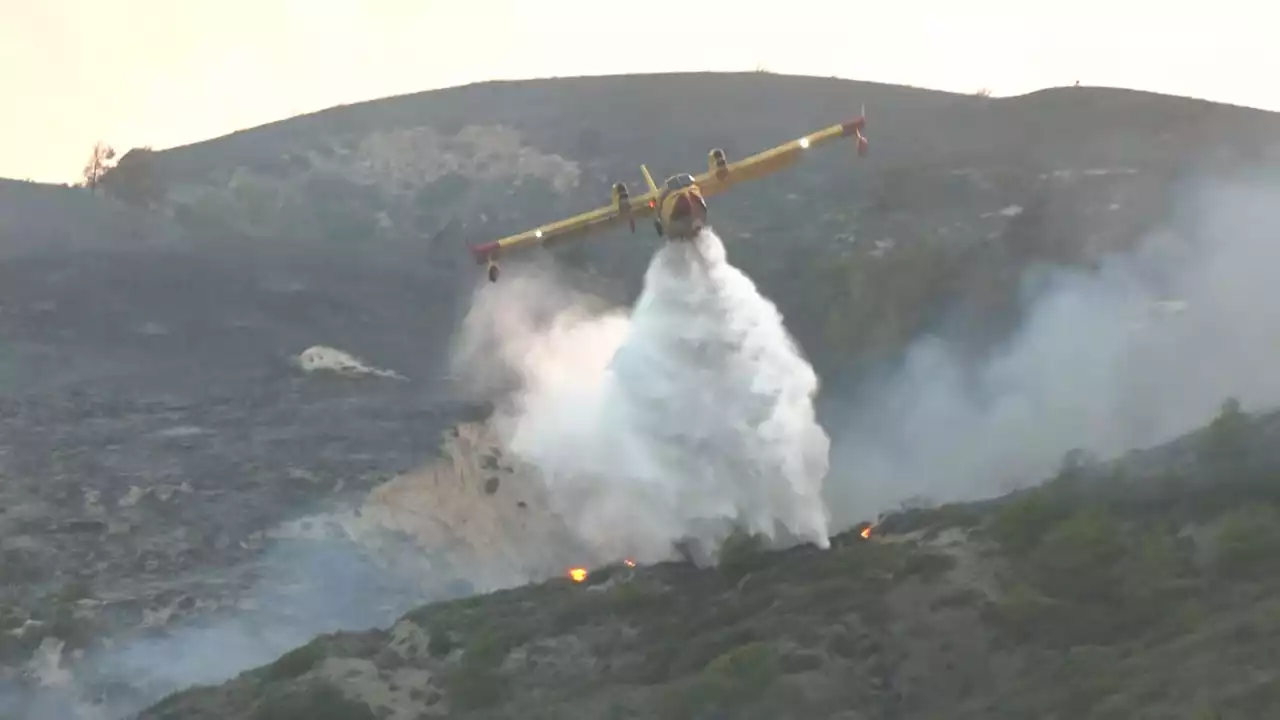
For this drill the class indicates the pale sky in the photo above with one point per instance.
(170, 72)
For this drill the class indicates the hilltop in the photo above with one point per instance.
(178, 449)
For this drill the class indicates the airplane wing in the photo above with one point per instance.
(625, 208)
(722, 175)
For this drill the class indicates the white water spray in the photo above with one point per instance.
(690, 416)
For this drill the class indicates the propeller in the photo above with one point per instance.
(862, 139)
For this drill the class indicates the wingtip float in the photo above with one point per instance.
(679, 205)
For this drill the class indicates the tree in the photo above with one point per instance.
(1226, 440)
(99, 163)
(133, 179)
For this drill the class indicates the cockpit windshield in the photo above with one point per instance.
(676, 182)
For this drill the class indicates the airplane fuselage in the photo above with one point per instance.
(682, 210)
(684, 213)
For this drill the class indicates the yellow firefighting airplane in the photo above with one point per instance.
(680, 204)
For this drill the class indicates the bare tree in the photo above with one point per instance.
(99, 163)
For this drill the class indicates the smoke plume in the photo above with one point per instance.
(689, 416)
(1133, 354)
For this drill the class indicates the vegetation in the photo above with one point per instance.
(98, 164)
(1090, 596)
(134, 179)
(313, 701)
(295, 663)
(1078, 597)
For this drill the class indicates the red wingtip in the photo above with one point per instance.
(482, 252)
(854, 126)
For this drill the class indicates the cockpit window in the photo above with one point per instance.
(675, 182)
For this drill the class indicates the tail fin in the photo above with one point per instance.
(648, 179)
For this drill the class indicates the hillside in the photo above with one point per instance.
(183, 475)
(1141, 588)
(955, 184)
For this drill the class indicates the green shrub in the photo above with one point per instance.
(295, 663)
(1226, 438)
(1091, 579)
(315, 701)
(472, 688)
(740, 554)
(477, 681)
(440, 644)
(1153, 567)
(735, 680)
(1019, 525)
(634, 598)
(928, 565)
(1021, 612)
(1248, 541)
(1077, 558)
(749, 668)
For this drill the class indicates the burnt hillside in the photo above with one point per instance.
(158, 425)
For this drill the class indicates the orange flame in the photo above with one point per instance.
(629, 562)
(578, 574)
(866, 532)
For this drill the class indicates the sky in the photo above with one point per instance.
(170, 72)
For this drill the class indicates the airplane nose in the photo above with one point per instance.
(681, 208)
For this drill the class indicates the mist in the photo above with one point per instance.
(294, 592)
(688, 416)
(1141, 350)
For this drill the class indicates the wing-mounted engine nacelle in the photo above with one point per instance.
(717, 164)
(622, 201)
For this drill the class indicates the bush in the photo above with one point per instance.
(1153, 567)
(1091, 579)
(1077, 558)
(295, 663)
(633, 598)
(477, 682)
(1226, 438)
(440, 644)
(750, 668)
(737, 679)
(316, 701)
(1248, 542)
(1019, 526)
(740, 554)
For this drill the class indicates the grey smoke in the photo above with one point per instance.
(1143, 349)
(691, 414)
(303, 589)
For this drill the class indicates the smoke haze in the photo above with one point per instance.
(690, 415)
(1143, 349)
(694, 410)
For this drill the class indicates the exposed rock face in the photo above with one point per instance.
(471, 515)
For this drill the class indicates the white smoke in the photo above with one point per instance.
(1131, 355)
(690, 415)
